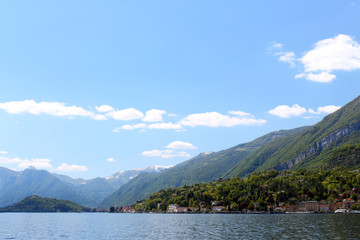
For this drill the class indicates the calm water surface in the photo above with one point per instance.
(177, 226)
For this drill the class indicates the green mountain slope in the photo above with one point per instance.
(261, 190)
(138, 188)
(310, 148)
(39, 204)
(205, 167)
(347, 157)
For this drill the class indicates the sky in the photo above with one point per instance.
(89, 88)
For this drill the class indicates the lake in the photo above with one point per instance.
(178, 226)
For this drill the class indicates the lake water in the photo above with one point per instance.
(178, 226)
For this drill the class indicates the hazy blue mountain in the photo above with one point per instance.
(15, 186)
(99, 188)
(205, 167)
(19, 185)
(7, 177)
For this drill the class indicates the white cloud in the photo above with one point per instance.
(338, 53)
(125, 114)
(333, 54)
(240, 114)
(52, 108)
(209, 119)
(285, 111)
(99, 117)
(277, 49)
(3, 152)
(104, 108)
(154, 115)
(288, 57)
(165, 153)
(322, 77)
(60, 109)
(215, 119)
(39, 163)
(165, 126)
(180, 145)
(133, 127)
(117, 130)
(7, 160)
(328, 109)
(110, 160)
(325, 110)
(275, 46)
(70, 168)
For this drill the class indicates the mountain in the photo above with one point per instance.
(18, 185)
(205, 167)
(93, 189)
(39, 204)
(122, 177)
(331, 143)
(15, 186)
(347, 157)
(99, 188)
(7, 177)
(261, 191)
(311, 148)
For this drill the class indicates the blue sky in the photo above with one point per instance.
(89, 88)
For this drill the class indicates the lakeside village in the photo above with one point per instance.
(258, 194)
(344, 206)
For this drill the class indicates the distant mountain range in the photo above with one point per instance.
(205, 167)
(15, 186)
(333, 142)
(311, 147)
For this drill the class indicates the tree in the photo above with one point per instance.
(354, 196)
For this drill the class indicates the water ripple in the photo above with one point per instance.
(177, 226)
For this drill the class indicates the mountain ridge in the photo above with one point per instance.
(309, 148)
(16, 185)
(201, 168)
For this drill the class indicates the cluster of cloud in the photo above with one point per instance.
(215, 119)
(143, 126)
(285, 111)
(39, 163)
(174, 149)
(52, 108)
(165, 153)
(277, 49)
(60, 109)
(152, 119)
(25, 163)
(70, 168)
(340, 53)
(207, 119)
